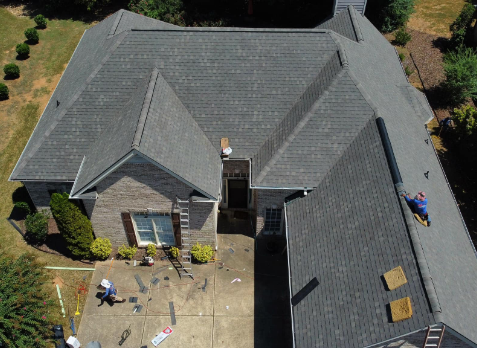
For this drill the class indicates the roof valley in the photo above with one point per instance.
(302, 110)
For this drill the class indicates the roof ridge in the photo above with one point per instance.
(185, 107)
(355, 23)
(240, 29)
(71, 102)
(117, 20)
(309, 95)
(145, 108)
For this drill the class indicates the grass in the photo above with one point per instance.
(435, 16)
(28, 97)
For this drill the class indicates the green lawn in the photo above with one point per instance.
(18, 116)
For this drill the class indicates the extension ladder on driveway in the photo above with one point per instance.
(184, 254)
(434, 337)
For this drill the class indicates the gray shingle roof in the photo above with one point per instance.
(343, 24)
(312, 147)
(236, 83)
(152, 122)
(348, 232)
(447, 248)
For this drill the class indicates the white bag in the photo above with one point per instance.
(73, 342)
(227, 151)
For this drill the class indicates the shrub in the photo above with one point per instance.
(32, 35)
(402, 37)
(127, 252)
(174, 252)
(151, 250)
(40, 21)
(74, 226)
(202, 253)
(465, 121)
(24, 306)
(408, 71)
(461, 25)
(37, 227)
(101, 248)
(4, 92)
(460, 68)
(23, 50)
(23, 207)
(396, 13)
(11, 70)
(402, 57)
(165, 10)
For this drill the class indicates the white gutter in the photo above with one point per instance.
(282, 188)
(289, 273)
(49, 100)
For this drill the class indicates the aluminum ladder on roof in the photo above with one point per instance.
(184, 253)
(434, 341)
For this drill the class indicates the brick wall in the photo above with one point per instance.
(236, 166)
(265, 199)
(136, 187)
(89, 206)
(39, 192)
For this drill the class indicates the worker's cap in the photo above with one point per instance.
(105, 283)
(421, 195)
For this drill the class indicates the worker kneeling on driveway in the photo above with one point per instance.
(110, 293)
(419, 206)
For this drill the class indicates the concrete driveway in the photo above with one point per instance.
(252, 312)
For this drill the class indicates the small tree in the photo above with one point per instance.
(4, 92)
(73, 225)
(11, 70)
(402, 37)
(32, 35)
(40, 21)
(23, 50)
(37, 227)
(396, 13)
(24, 304)
(460, 67)
(461, 25)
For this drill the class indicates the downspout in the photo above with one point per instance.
(289, 273)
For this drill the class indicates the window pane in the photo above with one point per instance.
(273, 219)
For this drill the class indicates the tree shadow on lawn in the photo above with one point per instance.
(442, 43)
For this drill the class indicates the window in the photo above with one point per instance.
(154, 228)
(273, 221)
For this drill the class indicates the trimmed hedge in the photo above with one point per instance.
(36, 227)
(32, 35)
(23, 50)
(461, 25)
(202, 253)
(40, 21)
(73, 225)
(11, 71)
(101, 248)
(4, 92)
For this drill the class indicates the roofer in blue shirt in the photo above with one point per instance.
(419, 206)
(111, 292)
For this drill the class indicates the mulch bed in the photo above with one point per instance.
(427, 53)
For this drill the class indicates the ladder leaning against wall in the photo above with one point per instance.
(185, 257)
